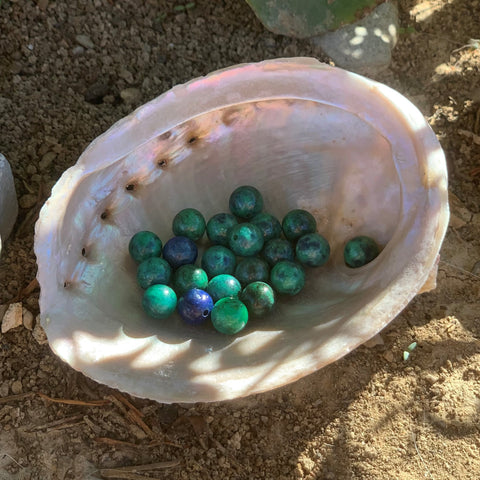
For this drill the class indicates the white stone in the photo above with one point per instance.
(27, 319)
(84, 41)
(12, 317)
(39, 333)
(8, 200)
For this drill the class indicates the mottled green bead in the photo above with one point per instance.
(245, 202)
(297, 223)
(245, 239)
(287, 277)
(268, 224)
(252, 269)
(190, 223)
(258, 297)
(217, 260)
(144, 245)
(159, 301)
(223, 286)
(229, 315)
(359, 251)
(218, 226)
(312, 250)
(188, 277)
(278, 249)
(153, 271)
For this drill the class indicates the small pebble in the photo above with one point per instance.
(78, 50)
(84, 41)
(12, 317)
(28, 200)
(27, 319)
(131, 95)
(46, 160)
(17, 387)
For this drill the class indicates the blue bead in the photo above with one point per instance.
(195, 306)
(180, 251)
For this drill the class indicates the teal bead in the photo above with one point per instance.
(223, 286)
(268, 224)
(297, 223)
(188, 277)
(246, 202)
(287, 277)
(217, 260)
(144, 245)
(252, 269)
(359, 251)
(258, 297)
(190, 223)
(153, 271)
(218, 226)
(312, 250)
(278, 249)
(245, 239)
(229, 315)
(159, 301)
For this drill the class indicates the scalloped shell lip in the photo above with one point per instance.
(300, 78)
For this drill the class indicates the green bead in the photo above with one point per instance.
(190, 223)
(229, 315)
(223, 286)
(217, 260)
(268, 224)
(252, 269)
(278, 249)
(312, 250)
(153, 271)
(359, 251)
(297, 223)
(258, 297)
(245, 239)
(218, 226)
(188, 277)
(144, 245)
(159, 301)
(287, 277)
(246, 202)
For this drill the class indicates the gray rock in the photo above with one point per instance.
(131, 95)
(8, 200)
(84, 41)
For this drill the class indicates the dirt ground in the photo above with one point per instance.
(371, 415)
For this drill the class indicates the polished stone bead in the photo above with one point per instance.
(195, 306)
(245, 239)
(190, 223)
(252, 269)
(159, 301)
(297, 223)
(287, 277)
(276, 250)
(359, 251)
(218, 226)
(268, 224)
(189, 276)
(217, 260)
(154, 271)
(229, 315)
(312, 250)
(223, 286)
(180, 251)
(246, 202)
(144, 245)
(258, 297)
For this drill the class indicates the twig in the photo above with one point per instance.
(66, 422)
(115, 442)
(33, 285)
(468, 134)
(12, 459)
(112, 473)
(421, 458)
(13, 398)
(128, 473)
(93, 403)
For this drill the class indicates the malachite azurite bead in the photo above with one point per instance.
(287, 277)
(144, 245)
(189, 276)
(195, 306)
(223, 286)
(245, 239)
(217, 260)
(229, 315)
(278, 249)
(180, 251)
(258, 297)
(312, 250)
(252, 269)
(153, 271)
(218, 226)
(190, 223)
(245, 202)
(268, 224)
(159, 301)
(297, 223)
(359, 251)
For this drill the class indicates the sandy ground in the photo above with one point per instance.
(370, 415)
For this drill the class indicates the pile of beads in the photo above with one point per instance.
(252, 256)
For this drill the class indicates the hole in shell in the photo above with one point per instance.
(104, 215)
(162, 163)
(192, 139)
(84, 252)
(66, 284)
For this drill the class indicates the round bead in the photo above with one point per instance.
(188, 277)
(258, 297)
(217, 260)
(297, 223)
(287, 277)
(159, 301)
(195, 306)
(252, 269)
(229, 315)
(190, 223)
(268, 224)
(312, 250)
(245, 239)
(246, 202)
(153, 271)
(218, 226)
(278, 249)
(180, 251)
(359, 251)
(223, 286)
(144, 245)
